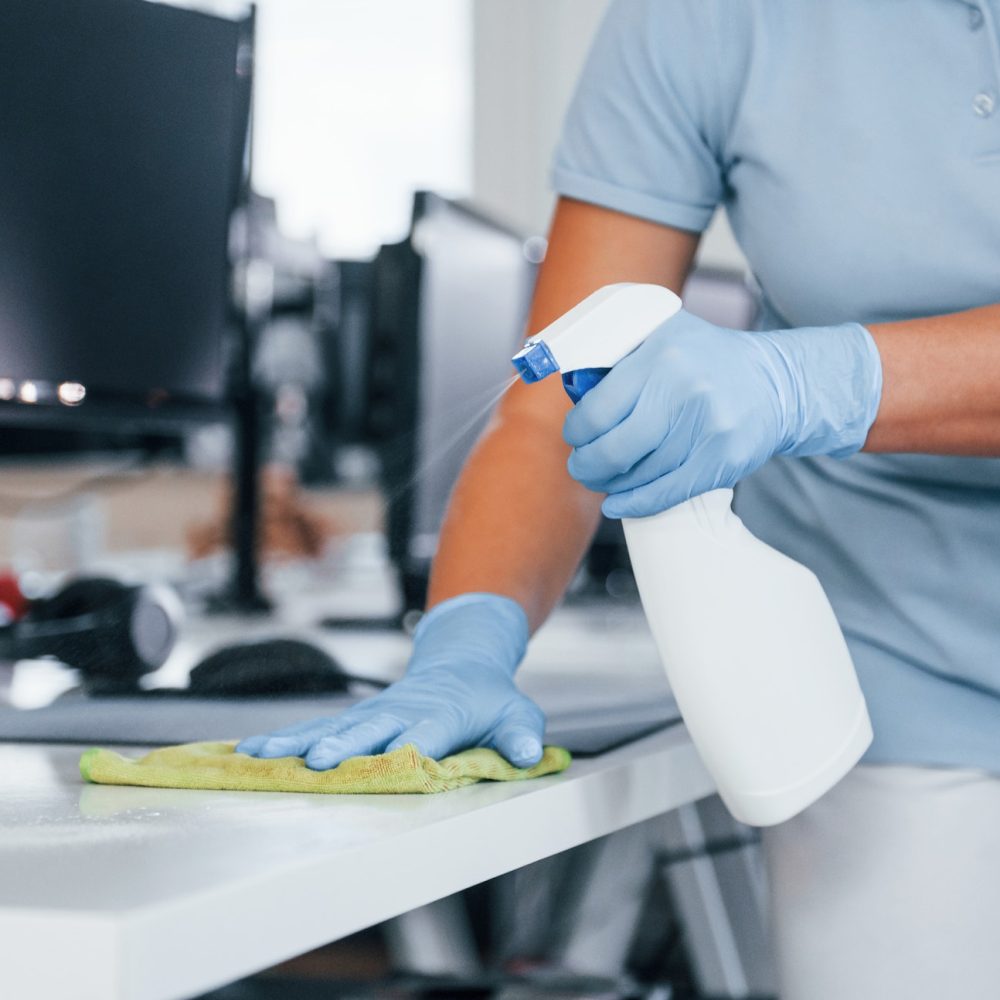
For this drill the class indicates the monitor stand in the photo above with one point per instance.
(242, 595)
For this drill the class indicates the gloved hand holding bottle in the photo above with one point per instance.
(458, 692)
(697, 407)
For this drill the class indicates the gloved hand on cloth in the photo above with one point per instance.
(458, 692)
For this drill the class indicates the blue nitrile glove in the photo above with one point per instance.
(697, 407)
(458, 692)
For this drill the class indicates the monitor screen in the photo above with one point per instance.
(449, 309)
(123, 130)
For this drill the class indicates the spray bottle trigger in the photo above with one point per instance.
(578, 383)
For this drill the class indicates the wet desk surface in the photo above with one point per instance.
(111, 893)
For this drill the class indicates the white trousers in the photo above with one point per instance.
(889, 889)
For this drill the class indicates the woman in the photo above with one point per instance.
(856, 148)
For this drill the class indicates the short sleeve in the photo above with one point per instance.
(643, 134)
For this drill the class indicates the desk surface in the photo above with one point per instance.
(110, 893)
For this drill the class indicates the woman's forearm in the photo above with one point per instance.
(517, 524)
(941, 384)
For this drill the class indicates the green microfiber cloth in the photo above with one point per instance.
(217, 766)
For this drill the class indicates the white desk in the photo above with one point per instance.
(113, 893)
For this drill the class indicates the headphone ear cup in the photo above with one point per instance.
(85, 626)
(111, 632)
(154, 619)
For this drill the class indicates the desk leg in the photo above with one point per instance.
(714, 874)
(434, 940)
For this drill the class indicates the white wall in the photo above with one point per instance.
(526, 57)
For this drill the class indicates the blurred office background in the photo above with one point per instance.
(357, 105)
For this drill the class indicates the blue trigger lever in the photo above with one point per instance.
(578, 383)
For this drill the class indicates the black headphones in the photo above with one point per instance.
(111, 632)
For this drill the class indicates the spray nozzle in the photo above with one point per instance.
(595, 335)
(534, 361)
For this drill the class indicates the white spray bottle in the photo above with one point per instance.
(749, 642)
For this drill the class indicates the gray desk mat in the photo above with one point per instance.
(586, 714)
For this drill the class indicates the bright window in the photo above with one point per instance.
(359, 103)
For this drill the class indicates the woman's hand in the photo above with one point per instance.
(458, 692)
(697, 407)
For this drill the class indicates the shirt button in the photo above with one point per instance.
(975, 18)
(984, 104)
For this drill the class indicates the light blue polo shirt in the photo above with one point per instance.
(856, 148)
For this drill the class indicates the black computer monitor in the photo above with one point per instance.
(123, 137)
(449, 308)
